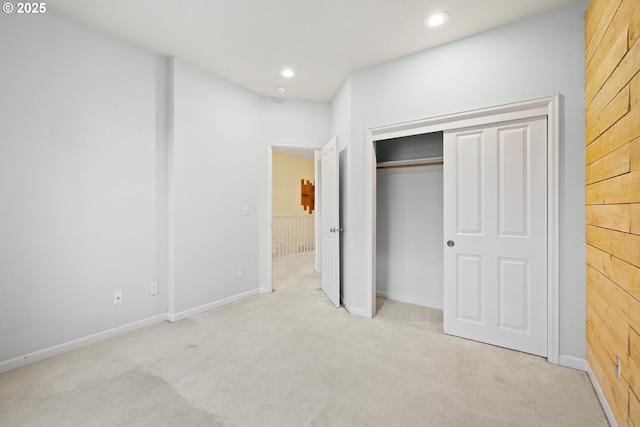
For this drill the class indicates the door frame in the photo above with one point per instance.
(267, 281)
(547, 106)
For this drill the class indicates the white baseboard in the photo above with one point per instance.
(573, 362)
(265, 290)
(56, 350)
(36, 356)
(424, 302)
(176, 317)
(603, 400)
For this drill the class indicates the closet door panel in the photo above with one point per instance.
(514, 170)
(469, 183)
(495, 211)
(469, 289)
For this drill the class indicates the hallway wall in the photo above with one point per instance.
(287, 173)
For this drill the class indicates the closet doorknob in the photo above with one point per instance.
(450, 243)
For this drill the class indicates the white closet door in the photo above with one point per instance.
(495, 234)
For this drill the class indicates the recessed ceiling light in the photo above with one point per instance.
(287, 73)
(436, 19)
(281, 89)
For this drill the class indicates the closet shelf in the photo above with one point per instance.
(429, 161)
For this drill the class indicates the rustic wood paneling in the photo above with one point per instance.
(625, 246)
(592, 20)
(634, 410)
(597, 27)
(621, 77)
(612, 179)
(613, 112)
(625, 275)
(599, 260)
(614, 217)
(604, 318)
(611, 165)
(635, 91)
(600, 71)
(634, 155)
(634, 374)
(635, 219)
(634, 344)
(624, 14)
(622, 132)
(620, 189)
(626, 306)
(634, 27)
(608, 351)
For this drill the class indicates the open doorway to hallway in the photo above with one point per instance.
(293, 210)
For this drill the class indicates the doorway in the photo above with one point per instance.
(292, 235)
(547, 107)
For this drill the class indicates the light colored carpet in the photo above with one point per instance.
(291, 359)
(295, 273)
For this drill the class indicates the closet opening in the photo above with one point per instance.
(487, 153)
(409, 212)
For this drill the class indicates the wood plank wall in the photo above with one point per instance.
(612, 99)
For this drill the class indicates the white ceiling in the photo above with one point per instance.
(248, 42)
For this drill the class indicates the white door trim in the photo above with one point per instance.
(548, 106)
(267, 280)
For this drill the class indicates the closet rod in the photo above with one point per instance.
(431, 161)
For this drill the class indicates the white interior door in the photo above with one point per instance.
(330, 223)
(495, 232)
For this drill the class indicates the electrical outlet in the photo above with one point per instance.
(246, 211)
(240, 273)
(117, 297)
(153, 288)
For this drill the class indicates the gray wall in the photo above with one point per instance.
(77, 182)
(409, 232)
(536, 57)
(121, 168)
(217, 145)
(219, 166)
